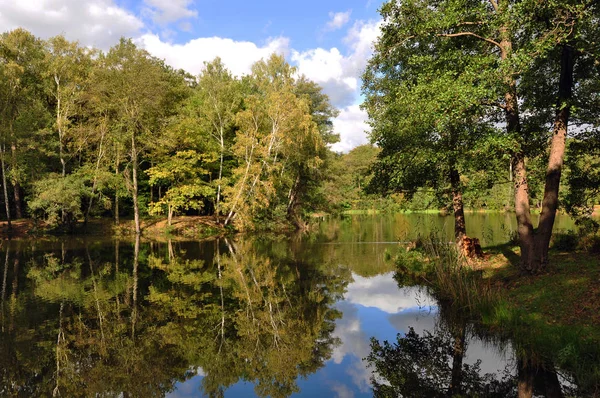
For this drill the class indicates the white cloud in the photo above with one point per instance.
(98, 23)
(167, 11)
(340, 77)
(338, 20)
(327, 67)
(238, 56)
(352, 126)
(341, 390)
(360, 39)
(382, 292)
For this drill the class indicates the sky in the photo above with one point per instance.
(328, 40)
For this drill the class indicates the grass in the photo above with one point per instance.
(361, 211)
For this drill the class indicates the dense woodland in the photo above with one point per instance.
(87, 133)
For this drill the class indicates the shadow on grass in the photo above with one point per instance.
(506, 249)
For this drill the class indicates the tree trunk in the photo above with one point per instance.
(521, 187)
(218, 207)
(16, 186)
(4, 185)
(95, 182)
(117, 190)
(525, 375)
(555, 162)
(457, 360)
(551, 383)
(134, 166)
(460, 229)
(522, 210)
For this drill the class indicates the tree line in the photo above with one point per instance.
(85, 132)
(488, 90)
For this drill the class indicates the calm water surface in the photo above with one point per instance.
(244, 316)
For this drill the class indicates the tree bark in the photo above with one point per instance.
(460, 229)
(4, 186)
(117, 189)
(521, 187)
(134, 166)
(16, 186)
(218, 204)
(555, 162)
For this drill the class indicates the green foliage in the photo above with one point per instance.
(58, 200)
(181, 174)
(144, 137)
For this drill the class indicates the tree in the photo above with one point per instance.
(276, 138)
(425, 108)
(216, 100)
(182, 175)
(20, 59)
(67, 67)
(137, 94)
(504, 43)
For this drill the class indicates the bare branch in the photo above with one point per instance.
(471, 34)
(494, 4)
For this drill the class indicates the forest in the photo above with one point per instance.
(86, 133)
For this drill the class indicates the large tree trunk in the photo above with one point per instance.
(522, 210)
(134, 166)
(4, 186)
(460, 229)
(555, 162)
(521, 187)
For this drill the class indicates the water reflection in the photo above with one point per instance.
(274, 316)
(83, 323)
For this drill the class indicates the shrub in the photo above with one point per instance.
(565, 241)
(57, 200)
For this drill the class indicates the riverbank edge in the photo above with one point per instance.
(555, 314)
(155, 229)
(444, 212)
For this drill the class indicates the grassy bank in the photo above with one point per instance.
(555, 315)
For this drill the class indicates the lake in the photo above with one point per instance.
(259, 315)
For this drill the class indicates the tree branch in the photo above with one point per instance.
(471, 34)
(494, 4)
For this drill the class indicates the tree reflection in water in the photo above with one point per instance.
(77, 324)
(433, 365)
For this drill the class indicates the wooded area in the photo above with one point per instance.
(477, 90)
(85, 133)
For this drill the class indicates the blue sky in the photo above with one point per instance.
(329, 41)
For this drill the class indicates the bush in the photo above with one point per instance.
(57, 200)
(565, 241)
(590, 243)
